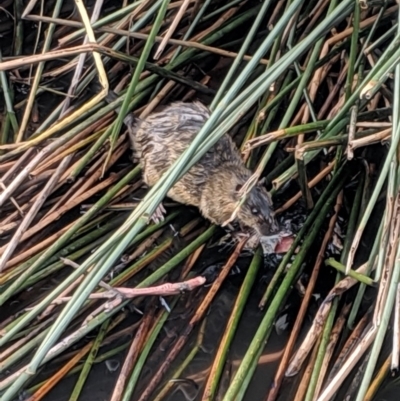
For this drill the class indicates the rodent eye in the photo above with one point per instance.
(254, 210)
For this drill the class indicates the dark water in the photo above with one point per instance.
(101, 381)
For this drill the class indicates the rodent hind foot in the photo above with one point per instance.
(159, 214)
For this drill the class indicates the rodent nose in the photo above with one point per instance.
(269, 228)
(275, 226)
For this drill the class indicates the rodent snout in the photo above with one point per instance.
(270, 227)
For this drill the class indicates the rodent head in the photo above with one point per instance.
(256, 212)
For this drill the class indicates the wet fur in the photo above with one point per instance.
(213, 184)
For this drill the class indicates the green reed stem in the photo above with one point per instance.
(231, 327)
(299, 237)
(258, 343)
(241, 53)
(362, 278)
(76, 392)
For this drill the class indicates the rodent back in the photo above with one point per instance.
(164, 135)
(178, 122)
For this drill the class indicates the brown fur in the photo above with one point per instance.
(213, 183)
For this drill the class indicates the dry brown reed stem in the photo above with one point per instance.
(319, 321)
(280, 373)
(32, 164)
(81, 184)
(275, 13)
(143, 247)
(5, 167)
(117, 294)
(58, 213)
(73, 149)
(377, 382)
(13, 201)
(95, 172)
(122, 25)
(29, 7)
(311, 184)
(11, 146)
(64, 122)
(26, 193)
(74, 143)
(157, 99)
(334, 338)
(52, 382)
(70, 364)
(5, 228)
(192, 259)
(20, 162)
(340, 102)
(28, 196)
(55, 350)
(171, 28)
(394, 364)
(285, 35)
(300, 138)
(52, 55)
(348, 365)
(115, 205)
(373, 124)
(305, 379)
(27, 220)
(318, 77)
(164, 290)
(101, 284)
(4, 277)
(315, 14)
(137, 35)
(10, 319)
(122, 194)
(128, 331)
(67, 291)
(332, 94)
(350, 343)
(214, 27)
(392, 205)
(183, 338)
(109, 305)
(371, 139)
(373, 104)
(81, 61)
(11, 217)
(35, 181)
(132, 355)
(347, 32)
(195, 9)
(371, 59)
(25, 339)
(141, 265)
(134, 14)
(297, 118)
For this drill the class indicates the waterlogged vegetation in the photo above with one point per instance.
(310, 90)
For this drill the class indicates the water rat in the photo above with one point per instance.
(214, 183)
